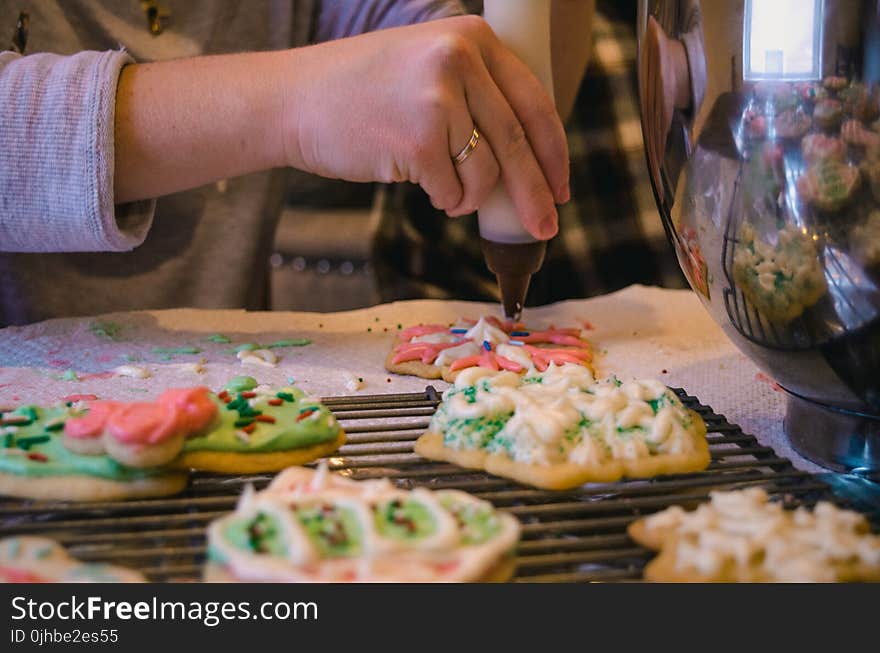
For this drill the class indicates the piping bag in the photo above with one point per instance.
(511, 252)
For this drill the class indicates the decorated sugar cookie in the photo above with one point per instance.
(741, 536)
(434, 351)
(28, 559)
(96, 450)
(262, 429)
(559, 429)
(70, 453)
(312, 526)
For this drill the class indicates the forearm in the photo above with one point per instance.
(181, 124)
(571, 47)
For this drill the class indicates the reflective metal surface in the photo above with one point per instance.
(761, 126)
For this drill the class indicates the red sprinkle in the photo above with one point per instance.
(248, 395)
(275, 402)
(38, 457)
(305, 414)
(265, 418)
(227, 400)
(223, 394)
(249, 428)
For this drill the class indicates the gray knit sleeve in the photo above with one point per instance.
(340, 18)
(56, 156)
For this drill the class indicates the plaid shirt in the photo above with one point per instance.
(610, 233)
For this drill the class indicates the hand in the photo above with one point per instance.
(396, 105)
(665, 86)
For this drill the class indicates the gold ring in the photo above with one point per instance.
(459, 158)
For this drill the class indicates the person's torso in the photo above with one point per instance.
(207, 247)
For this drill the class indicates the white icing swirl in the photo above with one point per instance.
(483, 331)
(452, 354)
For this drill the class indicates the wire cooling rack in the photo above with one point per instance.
(570, 536)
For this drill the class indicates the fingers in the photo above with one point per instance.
(434, 170)
(479, 172)
(521, 172)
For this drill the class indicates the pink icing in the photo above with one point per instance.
(79, 398)
(489, 360)
(197, 410)
(427, 352)
(555, 336)
(91, 425)
(145, 423)
(507, 325)
(543, 357)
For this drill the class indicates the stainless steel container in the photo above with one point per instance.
(761, 124)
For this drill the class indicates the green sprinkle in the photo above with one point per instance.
(244, 421)
(177, 350)
(55, 425)
(109, 330)
(286, 396)
(247, 346)
(69, 375)
(247, 411)
(28, 411)
(290, 342)
(360, 379)
(235, 404)
(399, 326)
(218, 337)
(369, 329)
(131, 358)
(8, 440)
(27, 443)
(241, 384)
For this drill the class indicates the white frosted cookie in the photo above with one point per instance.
(29, 559)
(312, 526)
(741, 536)
(559, 429)
(434, 351)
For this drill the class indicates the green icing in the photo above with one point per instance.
(334, 530)
(318, 425)
(259, 534)
(473, 432)
(478, 522)
(219, 338)
(169, 351)
(33, 439)
(241, 384)
(404, 520)
(290, 342)
(69, 375)
(109, 330)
